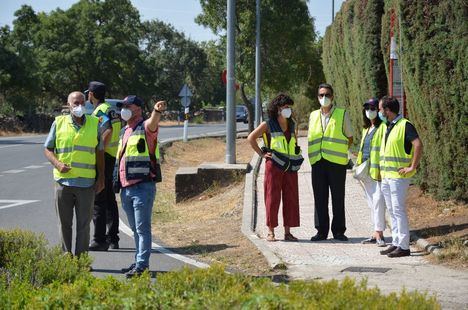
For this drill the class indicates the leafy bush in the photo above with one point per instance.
(71, 286)
(24, 257)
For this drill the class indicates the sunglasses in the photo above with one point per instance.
(370, 108)
(326, 95)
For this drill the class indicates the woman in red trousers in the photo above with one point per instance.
(282, 161)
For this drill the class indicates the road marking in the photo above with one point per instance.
(33, 167)
(126, 230)
(46, 163)
(4, 146)
(13, 171)
(14, 203)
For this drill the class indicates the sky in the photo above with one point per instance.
(179, 13)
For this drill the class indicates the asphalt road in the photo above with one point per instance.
(27, 200)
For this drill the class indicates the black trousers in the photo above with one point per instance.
(106, 214)
(329, 176)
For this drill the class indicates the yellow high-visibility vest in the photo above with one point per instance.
(392, 153)
(111, 147)
(76, 148)
(374, 159)
(331, 144)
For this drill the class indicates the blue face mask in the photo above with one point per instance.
(382, 117)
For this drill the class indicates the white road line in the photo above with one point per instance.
(46, 163)
(14, 203)
(5, 146)
(126, 230)
(13, 171)
(33, 167)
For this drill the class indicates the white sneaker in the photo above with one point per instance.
(381, 242)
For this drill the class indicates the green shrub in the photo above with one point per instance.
(210, 288)
(24, 257)
(214, 289)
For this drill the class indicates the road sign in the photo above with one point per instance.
(185, 95)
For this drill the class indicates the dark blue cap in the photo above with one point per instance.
(96, 87)
(372, 102)
(131, 99)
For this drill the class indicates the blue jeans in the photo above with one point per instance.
(137, 202)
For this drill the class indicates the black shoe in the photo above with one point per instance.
(114, 245)
(135, 272)
(390, 249)
(341, 237)
(399, 252)
(98, 246)
(125, 270)
(371, 240)
(318, 237)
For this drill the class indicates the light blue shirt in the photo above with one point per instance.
(50, 144)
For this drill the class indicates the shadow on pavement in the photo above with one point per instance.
(277, 278)
(352, 240)
(153, 274)
(439, 230)
(198, 248)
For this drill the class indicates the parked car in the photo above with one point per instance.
(89, 108)
(242, 114)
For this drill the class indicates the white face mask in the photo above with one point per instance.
(78, 111)
(88, 108)
(371, 114)
(325, 101)
(126, 114)
(286, 113)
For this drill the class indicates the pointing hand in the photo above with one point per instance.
(160, 106)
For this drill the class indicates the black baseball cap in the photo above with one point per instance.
(96, 87)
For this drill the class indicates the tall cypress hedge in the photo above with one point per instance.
(352, 57)
(434, 60)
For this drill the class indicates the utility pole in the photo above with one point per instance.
(230, 85)
(258, 101)
(333, 11)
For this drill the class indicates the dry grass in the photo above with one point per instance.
(206, 227)
(440, 222)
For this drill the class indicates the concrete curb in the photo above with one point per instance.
(425, 245)
(249, 215)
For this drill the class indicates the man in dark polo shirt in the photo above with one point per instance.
(400, 154)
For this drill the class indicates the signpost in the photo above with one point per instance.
(185, 95)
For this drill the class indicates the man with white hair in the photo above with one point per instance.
(75, 149)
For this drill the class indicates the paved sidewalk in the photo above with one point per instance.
(327, 259)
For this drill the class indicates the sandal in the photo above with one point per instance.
(289, 237)
(271, 237)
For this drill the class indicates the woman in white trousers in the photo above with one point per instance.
(369, 152)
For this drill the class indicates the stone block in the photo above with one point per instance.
(191, 181)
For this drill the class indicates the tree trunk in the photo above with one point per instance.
(249, 106)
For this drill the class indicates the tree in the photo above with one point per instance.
(288, 37)
(18, 77)
(90, 41)
(170, 60)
